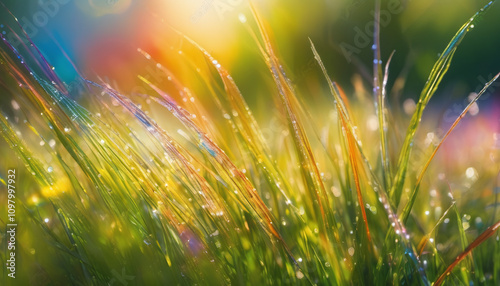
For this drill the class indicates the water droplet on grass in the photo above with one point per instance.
(242, 18)
(299, 274)
(470, 172)
(15, 105)
(351, 251)
(465, 225)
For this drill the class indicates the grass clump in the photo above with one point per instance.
(172, 188)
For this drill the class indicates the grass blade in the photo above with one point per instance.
(438, 71)
(490, 231)
(409, 205)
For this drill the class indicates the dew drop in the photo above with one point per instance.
(15, 105)
(299, 274)
(470, 172)
(465, 225)
(351, 251)
(478, 220)
(242, 18)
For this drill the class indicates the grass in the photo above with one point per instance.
(183, 188)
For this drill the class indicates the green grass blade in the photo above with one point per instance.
(437, 73)
(409, 205)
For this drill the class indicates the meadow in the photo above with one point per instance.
(183, 182)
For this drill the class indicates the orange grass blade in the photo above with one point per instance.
(288, 98)
(479, 240)
(354, 163)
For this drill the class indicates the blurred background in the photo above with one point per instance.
(101, 37)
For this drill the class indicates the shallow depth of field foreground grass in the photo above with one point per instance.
(182, 185)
